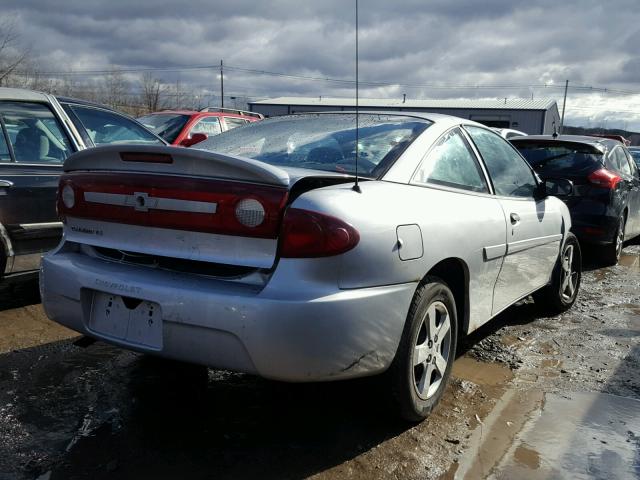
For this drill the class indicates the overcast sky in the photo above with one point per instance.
(442, 43)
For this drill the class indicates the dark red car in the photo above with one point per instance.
(187, 127)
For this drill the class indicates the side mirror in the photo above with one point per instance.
(558, 187)
(195, 138)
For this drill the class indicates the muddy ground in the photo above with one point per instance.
(71, 411)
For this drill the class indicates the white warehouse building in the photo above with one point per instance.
(530, 116)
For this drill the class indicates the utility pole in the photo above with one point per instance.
(221, 85)
(564, 104)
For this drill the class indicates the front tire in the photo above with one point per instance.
(423, 362)
(561, 294)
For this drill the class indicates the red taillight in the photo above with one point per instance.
(604, 178)
(180, 203)
(311, 234)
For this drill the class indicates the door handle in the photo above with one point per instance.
(515, 218)
(5, 184)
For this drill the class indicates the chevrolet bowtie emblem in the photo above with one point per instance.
(142, 202)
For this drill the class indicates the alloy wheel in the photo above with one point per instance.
(569, 278)
(432, 348)
(620, 237)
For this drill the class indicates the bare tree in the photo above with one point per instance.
(152, 92)
(115, 88)
(12, 53)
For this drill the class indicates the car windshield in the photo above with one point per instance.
(167, 125)
(323, 141)
(546, 158)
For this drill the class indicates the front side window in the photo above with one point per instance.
(167, 125)
(5, 156)
(207, 125)
(323, 141)
(34, 132)
(510, 174)
(105, 128)
(451, 163)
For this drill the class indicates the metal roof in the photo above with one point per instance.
(508, 104)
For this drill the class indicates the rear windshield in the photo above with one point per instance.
(558, 157)
(323, 141)
(167, 125)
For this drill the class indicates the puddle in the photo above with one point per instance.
(600, 274)
(496, 435)
(630, 261)
(579, 436)
(481, 373)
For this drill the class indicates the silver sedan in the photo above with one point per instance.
(260, 252)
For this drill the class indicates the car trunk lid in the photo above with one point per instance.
(175, 203)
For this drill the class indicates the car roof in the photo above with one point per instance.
(194, 113)
(598, 142)
(439, 118)
(87, 103)
(7, 93)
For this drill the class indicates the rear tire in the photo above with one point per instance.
(610, 254)
(561, 294)
(422, 366)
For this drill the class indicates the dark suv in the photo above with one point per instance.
(605, 202)
(37, 134)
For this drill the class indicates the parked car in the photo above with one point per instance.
(620, 138)
(509, 133)
(100, 125)
(273, 261)
(186, 127)
(605, 203)
(37, 135)
(635, 154)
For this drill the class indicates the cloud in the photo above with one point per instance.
(440, 43)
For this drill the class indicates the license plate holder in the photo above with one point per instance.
(128, 320)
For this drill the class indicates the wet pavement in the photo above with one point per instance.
(532, 397)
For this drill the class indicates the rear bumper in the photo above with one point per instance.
(296, 336)
(594, 229)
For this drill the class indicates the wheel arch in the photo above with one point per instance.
(6, 250)
(455, 273)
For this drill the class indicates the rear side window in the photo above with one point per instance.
(636, 156)
(452, 163)
(548, 158)
(618, 162)
(510, 174)
(106, 127)
(233, 122)
(34, 132)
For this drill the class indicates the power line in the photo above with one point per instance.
(345, 82)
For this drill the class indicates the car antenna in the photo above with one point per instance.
(356, 186)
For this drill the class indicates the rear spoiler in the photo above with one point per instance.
(176, 161)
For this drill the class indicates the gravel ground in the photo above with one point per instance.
(68, 411)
